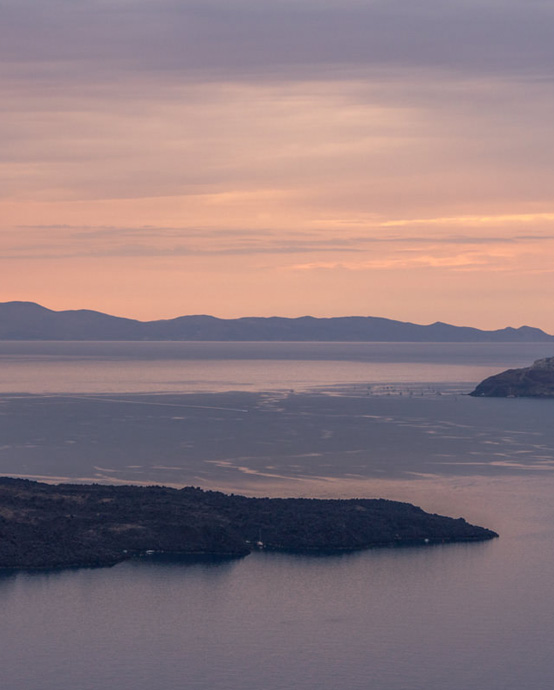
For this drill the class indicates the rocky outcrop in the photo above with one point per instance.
(536, 381)
(44, 525)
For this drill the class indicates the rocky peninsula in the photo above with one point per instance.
(536, 381)
(64, 525)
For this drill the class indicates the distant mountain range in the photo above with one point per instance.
(30, 321)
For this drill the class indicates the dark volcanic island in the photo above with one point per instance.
(65, 525)
(536, 381)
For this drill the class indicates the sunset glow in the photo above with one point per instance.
(277, 158)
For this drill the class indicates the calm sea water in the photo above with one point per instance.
(42, 367)
(287, 419)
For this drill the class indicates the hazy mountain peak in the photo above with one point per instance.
(30, 321)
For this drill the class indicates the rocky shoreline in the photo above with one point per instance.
(46, 526)
(536, 381)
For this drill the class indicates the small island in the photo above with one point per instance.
(536, 381)
(47, 526)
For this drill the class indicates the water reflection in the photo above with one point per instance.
(394, 618)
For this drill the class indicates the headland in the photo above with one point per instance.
(536, 381)
(46, 526)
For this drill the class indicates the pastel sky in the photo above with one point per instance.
(280, 157)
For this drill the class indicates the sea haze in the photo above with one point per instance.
(254, 416)
(332, 420)
(184, 367)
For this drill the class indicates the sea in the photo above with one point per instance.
(331, 420)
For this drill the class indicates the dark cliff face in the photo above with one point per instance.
(50, 526)
(536, 381)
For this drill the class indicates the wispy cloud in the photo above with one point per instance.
(235, 139)
(473, 221)
(456, 263)
(394, 250)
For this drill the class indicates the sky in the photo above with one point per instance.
(280, 157)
